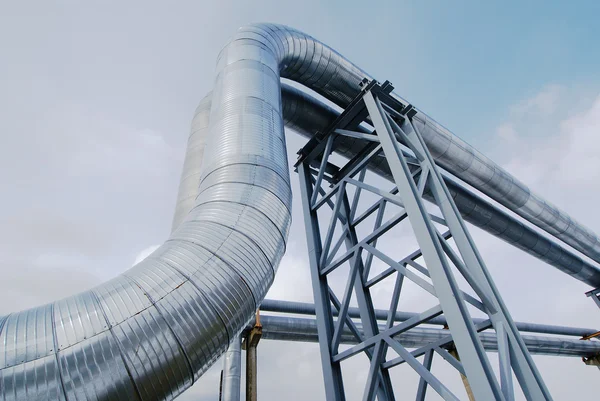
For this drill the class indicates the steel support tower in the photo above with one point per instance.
(344, 234)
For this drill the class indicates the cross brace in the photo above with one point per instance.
(447, 264)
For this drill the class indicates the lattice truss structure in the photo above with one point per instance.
(360, 228)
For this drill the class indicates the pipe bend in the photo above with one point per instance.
(156, 328)
(322, 69)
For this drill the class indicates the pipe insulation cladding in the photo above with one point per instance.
(306, 115)
(151, 332)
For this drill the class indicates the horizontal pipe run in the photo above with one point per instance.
(302, 308)
(306, 115)
(305, 330)
(155, 329)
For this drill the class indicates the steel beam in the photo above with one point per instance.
(415, 175)
(332, 374)
(595, 295)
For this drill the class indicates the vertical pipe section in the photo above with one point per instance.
(232, 371)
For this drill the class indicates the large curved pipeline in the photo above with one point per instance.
(315, 65)
(307, 115)
(151, 332)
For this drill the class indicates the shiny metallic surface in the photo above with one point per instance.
(306, 115)
(35, 380)
(192, 165)
(475, 209)
(313, 64)
(232, 371)
(151, 332)
(479, 171)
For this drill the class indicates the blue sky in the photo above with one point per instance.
(96, 100)
(469, 59)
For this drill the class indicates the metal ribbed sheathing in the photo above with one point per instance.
(307, 115)
(151, 332)
(232, 372)
(320, 68)
(192, 165)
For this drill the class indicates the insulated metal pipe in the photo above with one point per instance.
(284, 328)
(156, 328)
(302, 308)
(303, 59)
(306, 115)
(317, 66)
(232, 371)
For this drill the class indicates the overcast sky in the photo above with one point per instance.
(96, 99)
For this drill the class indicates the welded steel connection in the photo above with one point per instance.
(151, 332)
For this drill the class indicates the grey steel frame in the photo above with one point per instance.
(595, 295)
(414, 172)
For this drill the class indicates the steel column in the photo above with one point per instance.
(332, 374)
(465, 337)
(414, 172)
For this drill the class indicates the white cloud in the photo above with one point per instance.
(543, 103)
(557, 154)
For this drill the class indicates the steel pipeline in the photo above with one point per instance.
(155, 329)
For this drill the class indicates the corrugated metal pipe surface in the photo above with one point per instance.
(306, 115)
(151, 332)
(232, 371)
(320, 68)
(285, 328)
